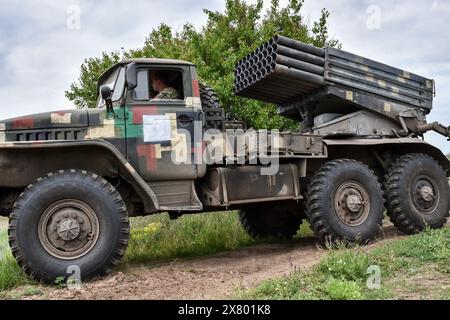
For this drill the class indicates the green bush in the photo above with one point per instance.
(159, 238)
(346, 265)
(338, 289)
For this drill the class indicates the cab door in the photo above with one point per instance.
(161, 133)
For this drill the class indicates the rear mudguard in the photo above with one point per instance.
(405, 145)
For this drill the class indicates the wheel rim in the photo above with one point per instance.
(425, 194)
(352, 203)
(68, 229)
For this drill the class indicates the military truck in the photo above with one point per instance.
(70, 180)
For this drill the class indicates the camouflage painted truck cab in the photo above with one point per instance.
(70, 180)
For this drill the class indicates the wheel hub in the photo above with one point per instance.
(424, 194)
(427, 193)
(352, 203)
(68, 229)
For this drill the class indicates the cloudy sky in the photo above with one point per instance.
(42, 43)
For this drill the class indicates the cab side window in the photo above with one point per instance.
(141, 92)
(159, 84)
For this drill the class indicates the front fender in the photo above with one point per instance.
(23, 162)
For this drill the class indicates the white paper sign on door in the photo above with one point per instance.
(157, 128)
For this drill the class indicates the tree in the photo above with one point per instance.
(84, 92)
(215, 49)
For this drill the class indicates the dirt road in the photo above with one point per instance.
(206, 278)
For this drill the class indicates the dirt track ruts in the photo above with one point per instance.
(213, 277)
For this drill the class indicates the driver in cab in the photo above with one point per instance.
(160, 84)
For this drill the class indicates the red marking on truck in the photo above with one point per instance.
(199, 149)
(195, 89)
(23, 123)
(148, 151)
(140, 112)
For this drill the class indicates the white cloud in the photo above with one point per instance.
(413, 36)
(40, 56)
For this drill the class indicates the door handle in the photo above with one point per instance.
(202, 118)
(184, 118)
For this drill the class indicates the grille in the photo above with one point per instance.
(49, 135)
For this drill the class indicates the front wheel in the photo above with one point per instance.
(69, 221)
(344, 201)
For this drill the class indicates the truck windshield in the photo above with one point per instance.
(116, 81)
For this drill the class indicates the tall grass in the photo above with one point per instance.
(10, 273)
(159, 238)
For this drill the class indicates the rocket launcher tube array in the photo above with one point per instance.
(279, 70)
(283, 69)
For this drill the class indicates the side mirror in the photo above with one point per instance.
(131, 76)
(106, 94)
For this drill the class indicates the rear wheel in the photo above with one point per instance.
(276, 221)
(66, 220)
(345, 202)
(417, 192)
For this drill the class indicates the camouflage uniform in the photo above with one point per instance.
(168, 94)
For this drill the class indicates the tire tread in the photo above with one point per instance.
(102, 184)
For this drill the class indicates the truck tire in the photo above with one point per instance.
(69, 221)
(209, 99)
(344, 202)
(270, 221)
(417, 192)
